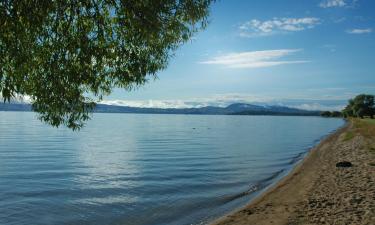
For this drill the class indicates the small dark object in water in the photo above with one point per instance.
(344, 164)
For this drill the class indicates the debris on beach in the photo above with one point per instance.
(344, 164)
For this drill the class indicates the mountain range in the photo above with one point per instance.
(233, 109)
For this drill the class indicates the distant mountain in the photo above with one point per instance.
(14, 107)
(233, 109)
(248, 109)
(240, 107)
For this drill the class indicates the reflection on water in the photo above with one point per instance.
(107, 168)
(144, 169)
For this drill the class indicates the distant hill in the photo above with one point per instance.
(233, 109)
(14, 107)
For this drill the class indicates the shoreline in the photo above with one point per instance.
(289, 200)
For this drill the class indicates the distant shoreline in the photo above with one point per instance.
(233, 109)
(310, 193)
(191, 114)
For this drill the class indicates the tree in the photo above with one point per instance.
(364, 105)
(331, 114)
(361, 106)
(336, 114)
(348, 110)
(67, 54)
(326, 114)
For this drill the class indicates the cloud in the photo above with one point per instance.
(215, 100)
(359, 31)
(338, 3)
(318, 106)
(332, 3)
(163, 104)
(254, 59)
(219, 100)
(330, 47)
(256, 28)
(21, 99)
(224, 100)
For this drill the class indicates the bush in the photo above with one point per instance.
(361, 106)
(326, 114)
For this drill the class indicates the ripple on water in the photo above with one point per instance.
(145, 169)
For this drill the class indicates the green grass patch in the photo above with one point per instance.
(348, 136)
(365, 127)
(370, 121)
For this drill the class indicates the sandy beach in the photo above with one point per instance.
(318, 192)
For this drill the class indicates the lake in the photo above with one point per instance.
(145, 169)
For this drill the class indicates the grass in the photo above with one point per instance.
(370, 121)
(348, 136)
(360, 126)
(366, 127)
(372, 149)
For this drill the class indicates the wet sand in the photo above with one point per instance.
(318, 192)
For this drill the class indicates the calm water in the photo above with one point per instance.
(145, 169)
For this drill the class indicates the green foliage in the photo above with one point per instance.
(66, 54)
(361, 106)
(331, 114)
(326, 114)
(336, 114)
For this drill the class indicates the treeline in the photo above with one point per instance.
(361, 106)
(331, 114)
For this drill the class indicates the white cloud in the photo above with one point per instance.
(332, 3)
(21, 99)
(330, 47)
(339, 20)
(338, 3)
(359, 31)
(254, 59)
(163, 104)
(256, 28)
(318, 106)
(220, 100)
(224, 100)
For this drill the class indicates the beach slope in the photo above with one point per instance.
(318, 192)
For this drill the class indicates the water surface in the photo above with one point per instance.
(145, 169)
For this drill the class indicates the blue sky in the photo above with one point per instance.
(312, 54)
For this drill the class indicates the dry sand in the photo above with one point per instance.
(316, 191)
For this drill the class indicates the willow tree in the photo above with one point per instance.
(68, 54)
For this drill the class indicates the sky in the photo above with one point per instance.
(310, 54)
